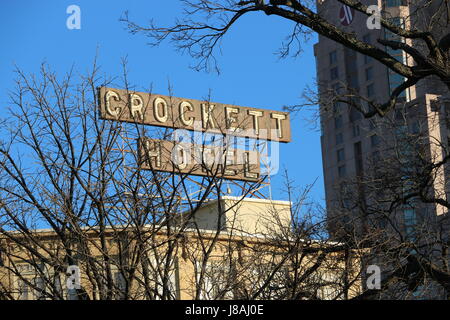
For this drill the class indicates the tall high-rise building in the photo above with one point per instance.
(353, 146)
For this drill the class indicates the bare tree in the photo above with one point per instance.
(392, 208)
(76, 176)
(412, 253)
(72, 193)
(204, 24)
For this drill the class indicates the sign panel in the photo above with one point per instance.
(201, 160)
(194, 115)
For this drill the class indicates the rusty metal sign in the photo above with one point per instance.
(201, 160)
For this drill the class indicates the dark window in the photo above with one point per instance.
(338, 122)
(410, 223)
(24, 290)
(353, 82)
(395, 79)
(415, 127)
(374, 140)
(367, 39)
(333, 57)
(371, 90)
(356, 131)
(339, 138)
(334, 73)
(358, 157)
(383, 222)
(336, 88)
(369, 74)
(376, 156)
(346, 204)
(340, 155)
(336, 107)
(354, 114)
(342, 171)
(394, 3)
(399, 115)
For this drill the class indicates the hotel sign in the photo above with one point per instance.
(200, 160)
(190, 114)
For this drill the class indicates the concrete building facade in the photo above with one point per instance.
(351, 144)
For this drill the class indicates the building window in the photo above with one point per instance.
(336, 107)
(334, 73)
(394, 3)
(333, 57)
(376, 156)
(415, 127)
(72, 294)
(24, 290)
(367, 39)
(338, 122)
(356, 131)
(369, 74)
(354, 114)
(346, 204)
(40, 288)
(353, 82)
(120, 283)
(370, 90)
(358, 157)
(374, 140)
(396, 79)
(340, 155)
(336, 88)
(342, 171)
(382, 222)
(399, 115)
(410, 223)
(215, 279)
(339, 138)
(57, 285)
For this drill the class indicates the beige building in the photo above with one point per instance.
(351, 144)
(246, 247)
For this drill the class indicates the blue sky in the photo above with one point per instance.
(251, 73)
